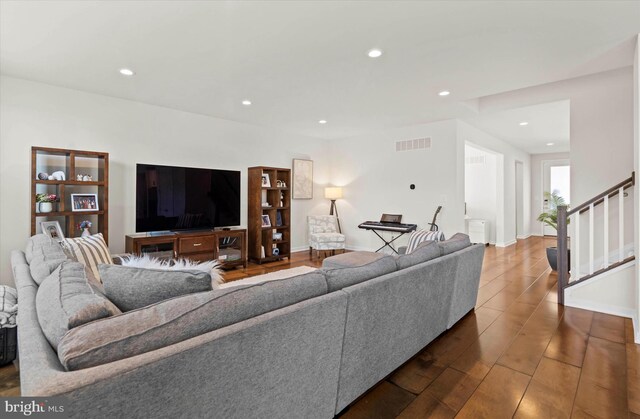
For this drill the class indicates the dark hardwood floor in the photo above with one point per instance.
(519, 354)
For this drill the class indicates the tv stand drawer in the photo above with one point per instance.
(197, 244)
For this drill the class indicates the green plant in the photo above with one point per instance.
(550, 217)
(43, 197)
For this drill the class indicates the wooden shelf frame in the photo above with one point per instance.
(260, 236)
(100, 187)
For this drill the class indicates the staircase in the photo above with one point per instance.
(605, 254)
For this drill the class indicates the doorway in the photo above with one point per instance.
(519, 200)
(556, 178)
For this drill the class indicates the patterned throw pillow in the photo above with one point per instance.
(90, 251)
(418, 237)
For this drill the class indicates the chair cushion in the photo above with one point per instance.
(421, 236)
(130, 288)
(44, 256)
(90, 251)
(328, 237)
(424, 252)
(66, 299)
(354, 267)
(181, 318)
(457, 242)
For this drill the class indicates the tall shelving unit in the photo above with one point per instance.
(71, 162)
(279, 202)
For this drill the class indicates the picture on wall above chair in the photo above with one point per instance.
(302, 179)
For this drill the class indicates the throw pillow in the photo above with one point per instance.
(178, 319)
(130, 288)
(418, 237)
(45, 255)
(90, 251)
(212, 267)
(66, 299)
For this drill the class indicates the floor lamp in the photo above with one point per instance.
(333, 193)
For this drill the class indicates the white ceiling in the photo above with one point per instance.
(546, 123)
(304, 61)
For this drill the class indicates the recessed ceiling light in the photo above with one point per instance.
(524, 123)
(322, 121)
(246, 102)
(444, 93)
(550, 144)
(374, 53)
(126, 72)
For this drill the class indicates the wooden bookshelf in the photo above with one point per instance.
(72, 163)
(279, 200)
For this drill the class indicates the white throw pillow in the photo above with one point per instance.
(91, 251)
(420, 236)
(212, 267)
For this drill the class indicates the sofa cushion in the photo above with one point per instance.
(66, 299)
(354, 267)
(457, 242)
(424, 252)
(44, 256)
(90, 251)
(418, 237)
(181, 318)
(130, 288)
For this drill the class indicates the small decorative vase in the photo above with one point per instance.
(85, 232)
(46, 206)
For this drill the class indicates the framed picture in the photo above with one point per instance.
(302, 179)
(266, 222)
(84, 202)
(53, 230)
(266, 182)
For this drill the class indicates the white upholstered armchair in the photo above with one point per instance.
(323, 233)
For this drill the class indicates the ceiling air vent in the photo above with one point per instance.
(416, 144)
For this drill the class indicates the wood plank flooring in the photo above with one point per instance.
(519, 354)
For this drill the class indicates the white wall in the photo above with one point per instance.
(376, 180)
(636, 165)
(506, 192)
(44, 115)
(480, 187)
(537, 187)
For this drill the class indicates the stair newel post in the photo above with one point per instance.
(563, 263)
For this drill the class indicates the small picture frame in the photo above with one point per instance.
(266, 222)
(53, 230)
(84, 202)
(266, 182)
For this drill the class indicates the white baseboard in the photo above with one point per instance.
(299, 249)
(602, 308)
(524, 236)
(511, 243)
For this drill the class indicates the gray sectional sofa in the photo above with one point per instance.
(306, 346)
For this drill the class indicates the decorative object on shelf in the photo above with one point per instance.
(266, 205)
(334, 193)
(302, 179)
(266, 182)
(84, 202)
(275, 251)
(85, 226)
(53, 230)
(45, 202)
(266, 222)
(58, 175)
(277, 236)
(281, 184)
(281, 199)
(278, 219)
(43, 176)
(84, 178)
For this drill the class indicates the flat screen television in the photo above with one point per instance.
(186, 198)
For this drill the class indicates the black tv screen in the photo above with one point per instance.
(185, 198)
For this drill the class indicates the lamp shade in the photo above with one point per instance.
(333, 193)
